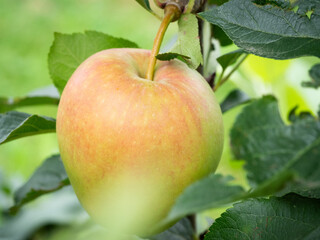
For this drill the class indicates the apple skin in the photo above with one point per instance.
(130, 146)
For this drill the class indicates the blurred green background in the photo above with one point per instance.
(26, 34)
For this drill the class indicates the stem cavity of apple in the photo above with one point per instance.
(171, 13)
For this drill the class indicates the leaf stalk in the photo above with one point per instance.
(223, 80)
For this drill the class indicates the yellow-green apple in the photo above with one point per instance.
(131, 146)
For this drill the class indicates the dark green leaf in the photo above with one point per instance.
(181, 230)
(49, 177)
(291, 217)
(271, 148)
(220, 35)
(278, 3)
(293, 117)
(314, 73)
(68, 51)
(212, 191)
(169, 56)
(48, 95)
(234, 98)
(14, 125)
(268, 30)
(230, 58)
(305, 6)
(217, 2)
(145, 4)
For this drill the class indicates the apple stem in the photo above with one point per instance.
(171, 12)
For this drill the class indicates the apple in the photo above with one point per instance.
(130, 145)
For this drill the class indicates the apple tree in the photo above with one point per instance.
(277, 148)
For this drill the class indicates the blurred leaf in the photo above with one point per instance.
(314, 73)
(273, 185)
(5, 193)
(212, 191)
(289, 217)
(48, 95)
(145, 4)
(169, 56)
(14, 125)
(216, 191)
(188, 43)
(68, 51)
(248, 24)
(271, 148)
(181, 230)
(61, 208)
(49, 177)
(230, 58)
(234, 98)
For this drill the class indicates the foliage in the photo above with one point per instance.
(14, 125)
(314, 73)
(267, 219)
(68, 51)
(49, 177)
(248, 25)
(281, 155)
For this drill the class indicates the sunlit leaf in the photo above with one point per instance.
(68, 51)
(188, 43)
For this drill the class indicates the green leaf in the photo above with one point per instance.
(217, 2)
(314, 73)
(14, 125)
(212, 191)
(169, 56)
(216, 191)
(45, 96)
(181, 230)
(278, 3)
(49, 177)
(305, 6)
(271, 148)
(68, 51)
(234, 98)
(230, 58)
(60, 209)
(268, 30)
(188, 43)
(220, 35)
(290, 217)
(145, 4)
